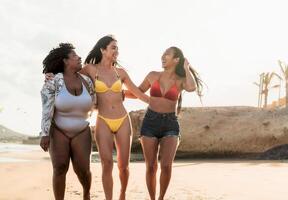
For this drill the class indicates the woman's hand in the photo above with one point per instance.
(189, 84)
(186, 64)
(44, 142)
(49, 76)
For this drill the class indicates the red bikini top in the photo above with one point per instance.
(171, 94)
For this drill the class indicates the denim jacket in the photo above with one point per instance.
(49, 92)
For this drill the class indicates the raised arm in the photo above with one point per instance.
(189, 83)
(132, 87)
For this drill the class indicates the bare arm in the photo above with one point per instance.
(143, 87)
(85, 70)
(132, 87)
(129, 94)
(189, 83)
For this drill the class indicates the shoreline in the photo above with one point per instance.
(6, 148)
(211, 179)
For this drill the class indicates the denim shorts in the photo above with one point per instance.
(159, 125)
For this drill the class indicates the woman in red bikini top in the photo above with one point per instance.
(160, 127)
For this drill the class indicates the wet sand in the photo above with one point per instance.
(191, 180)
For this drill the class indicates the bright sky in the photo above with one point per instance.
(229, 42)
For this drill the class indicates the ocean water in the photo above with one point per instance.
(9, 160)
(9, 147)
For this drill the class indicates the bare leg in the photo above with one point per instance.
(150, 150)
(60, 156)
(104, 140)
(123, 144)
(168, 147)
(81, 150)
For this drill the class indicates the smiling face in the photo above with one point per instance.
(73, 61)
(111, 51)
(168, 59)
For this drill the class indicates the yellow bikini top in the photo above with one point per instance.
(101, 87)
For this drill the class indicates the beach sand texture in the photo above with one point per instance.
(191, 180)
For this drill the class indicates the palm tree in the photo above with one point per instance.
(284, 69)
(260, 89)
(259, 94)
(266, 85)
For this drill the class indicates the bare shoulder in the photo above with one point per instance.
(153, 75)
(88, 67)
(89, 70)
(122, 72)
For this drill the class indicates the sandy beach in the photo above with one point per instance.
(27, 175)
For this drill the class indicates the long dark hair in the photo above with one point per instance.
(180, 71)
(95, 55)
(53, 62)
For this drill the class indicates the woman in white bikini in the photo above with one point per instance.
(66, 101)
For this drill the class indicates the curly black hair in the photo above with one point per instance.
(53, 62)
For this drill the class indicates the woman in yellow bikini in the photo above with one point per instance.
(113, 121)
(101, 87)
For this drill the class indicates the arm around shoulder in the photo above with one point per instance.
(132, 87)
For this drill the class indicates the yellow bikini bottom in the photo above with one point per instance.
(113, 124)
